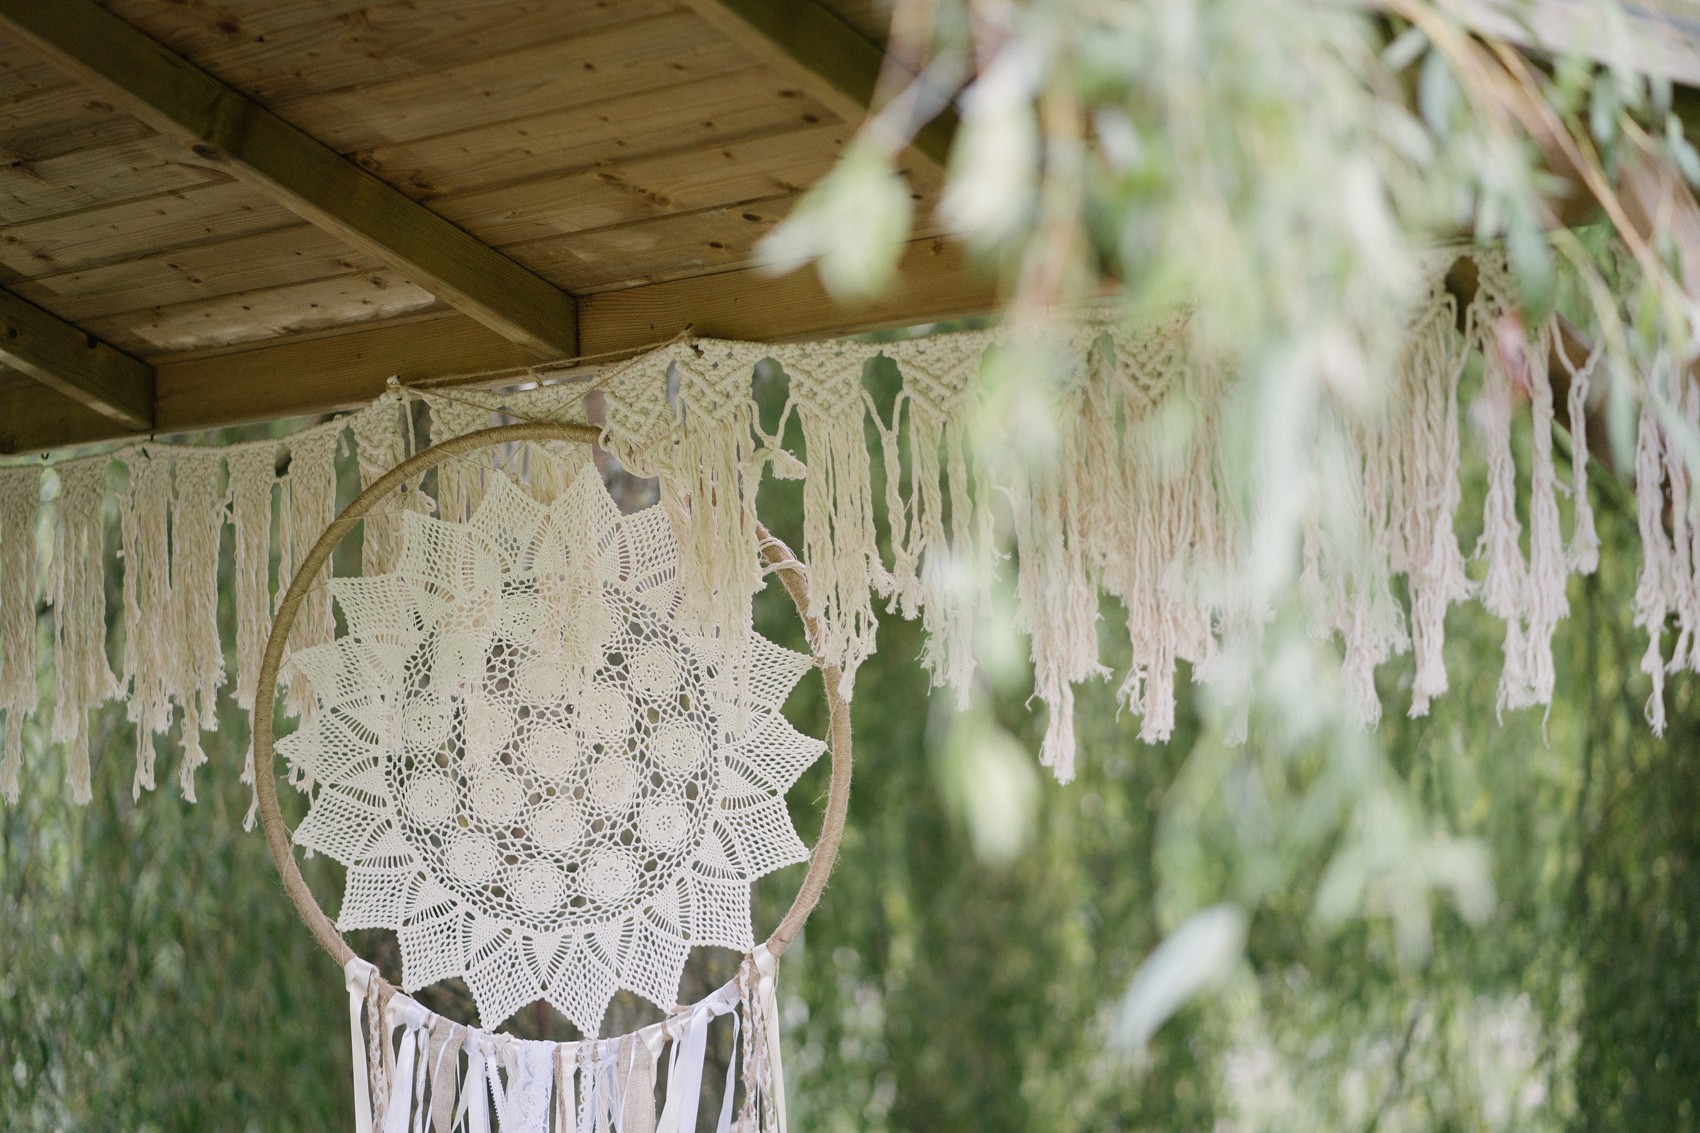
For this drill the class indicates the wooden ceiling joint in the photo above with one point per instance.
(72, 362)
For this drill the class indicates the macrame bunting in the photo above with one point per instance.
(1128, 501)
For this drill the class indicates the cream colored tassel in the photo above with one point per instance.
(144, 523)
(1584, 540)
(309, 498)
(1548, 563)
(76, 589)
(1435, 567)
(709, 477)
(1652, 602)
(20, 497)
(197, 522)
(946, 581)
(839, 542)
(460, 482)
(253, 472)
(1058, 597)
(380, 443)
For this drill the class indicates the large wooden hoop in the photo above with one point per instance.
(780, 560)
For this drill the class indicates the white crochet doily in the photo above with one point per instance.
(534, 773)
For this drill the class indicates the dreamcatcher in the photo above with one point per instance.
(547, 783)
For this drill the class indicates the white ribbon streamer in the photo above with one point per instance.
(357, 974)
(404, 1086)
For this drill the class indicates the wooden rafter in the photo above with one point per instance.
(81, 367)
(309, 374)
(182, 101)
(826, 56)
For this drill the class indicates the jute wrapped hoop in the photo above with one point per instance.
(780, 560)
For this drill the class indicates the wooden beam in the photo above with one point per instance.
(933, 282)
(75, 364)
(340, 370)
(221, 124)
(828, 58)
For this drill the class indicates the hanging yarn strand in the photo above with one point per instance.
(309, 503)
(20, 497)
(76, 589)
(198, 516)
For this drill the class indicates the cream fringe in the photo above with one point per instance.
(1128, 504)
(20, 496)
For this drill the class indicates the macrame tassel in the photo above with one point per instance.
(1348, 548)
(839, 541)
(1584, 539)
(944, 580)
(1435, 563)
(77, 591)
(380, 443)
(309, 506)
(253, 471)
(150, 640)
(20, 496)
(1169, 456)
(551, 467)
(1548, 561)
(709, 478)
(1506, 579)
(460, 481)
(1058, 595)
(197, 521)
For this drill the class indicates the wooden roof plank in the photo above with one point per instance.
(827, 57)
(744, 170)
(276, 258)
(94, 178)
(649, 54)
(182, 101)
(341, 300)
(281, 50)
(72, 362)
(691, 115)
(159, 224)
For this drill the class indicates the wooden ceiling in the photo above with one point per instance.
(214, 211)
(223, 210)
